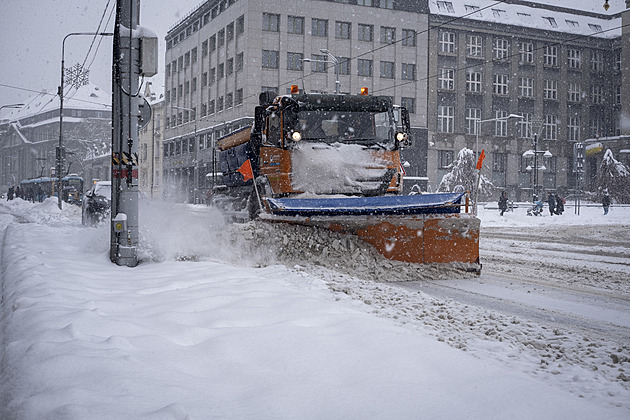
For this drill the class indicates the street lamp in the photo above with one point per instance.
(61, 93)
(333, 60)
(195, 169)
(477, 130)
(536, 125)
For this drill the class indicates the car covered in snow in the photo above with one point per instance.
(97, 203)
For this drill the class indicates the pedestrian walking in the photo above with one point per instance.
(559, 205)
(10, 193)
(503, 203)
(606, 202)
(552, 203)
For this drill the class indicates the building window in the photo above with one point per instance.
(446, 42)
(500, 125)
(187, 60)
(366, 32)
(500, 84)
(474, 46)
(220, 104)
(446, 79)
(617, 95)
(204, 48)
(473, 116)
(364, 67)
(550, 127)
(295, 25)
(344, 65)
(445, 119)
(500, 48)
(573, 128)
(220, 71)
(409, 104)
(408, 38)
(294, 61)
(574, 58)
(229, 32)
(445, 6)
(229, 100)
(499, 162)
(240, 25)
(551, 55)
(270, 59)
(211, 107)
(342, 30)
(617, 54)
(271, 22)
(597, 61)
(445, 158)
(238, 97)
(408, 71)
(574, 92)
(212, 76)
(473, 81)
(597, 94)
(387, 70)
(221, 38)
(318, 63)
(526, 52)
(212, 43)
(319, 27)
(550, 90)
(526, 87)
(229, 66)
(239, 62)
(525, 126)
(388, 35)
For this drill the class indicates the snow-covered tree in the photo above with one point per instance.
(614, 177)
(463, 175)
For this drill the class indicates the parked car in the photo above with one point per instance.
(97, 203)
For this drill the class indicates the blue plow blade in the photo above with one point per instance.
(441, 203)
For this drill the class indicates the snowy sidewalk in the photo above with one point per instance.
(84, 338)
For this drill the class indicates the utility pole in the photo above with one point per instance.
(134, 54)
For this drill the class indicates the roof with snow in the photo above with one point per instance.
(583, 18)
(87, 97)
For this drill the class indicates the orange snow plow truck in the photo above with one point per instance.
(333, 161)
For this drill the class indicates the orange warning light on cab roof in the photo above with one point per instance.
(294, 89)
(364, 91)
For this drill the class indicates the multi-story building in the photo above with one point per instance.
(460, 69)
(511, 72)
(223, 54)
(150, 148)
(29, 135)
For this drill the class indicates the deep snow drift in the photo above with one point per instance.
(210, 326)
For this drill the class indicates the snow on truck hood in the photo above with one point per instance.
(321, 168)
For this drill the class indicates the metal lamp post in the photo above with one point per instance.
(195, 168)
(60, 92)
(536, 126)
(477, 130)
(334, 61)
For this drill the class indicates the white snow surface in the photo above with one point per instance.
(213, 325)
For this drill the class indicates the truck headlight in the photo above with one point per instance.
(296, 136)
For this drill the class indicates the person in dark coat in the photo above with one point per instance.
(606, 202)
(552, 203)
(10, 194)
(559, 205)
(503, 203)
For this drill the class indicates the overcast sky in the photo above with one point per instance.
(31, 35)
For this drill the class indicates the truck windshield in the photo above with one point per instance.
(361, 127)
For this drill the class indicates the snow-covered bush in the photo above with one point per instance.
(463, 175)
(614, 177)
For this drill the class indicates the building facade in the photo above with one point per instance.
(29, 135)
(547, 80)
(515, 80)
